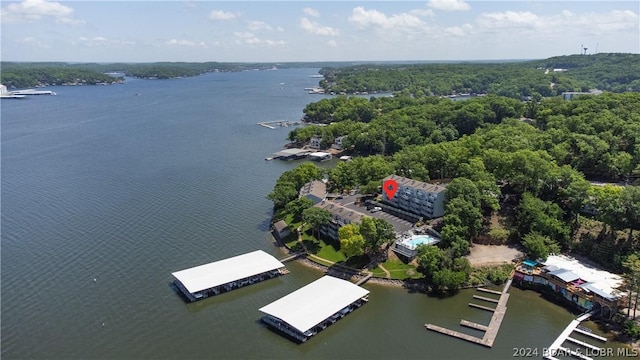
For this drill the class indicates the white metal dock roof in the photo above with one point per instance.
(313, 303)
(221, 272)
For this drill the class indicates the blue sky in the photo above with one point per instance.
(278, 31)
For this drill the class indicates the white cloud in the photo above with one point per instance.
(186, 43)
(463, 30)
(222, 15)
(586, 23)
(258, 25)
(422, 12)
(448, 5)
(510, 19)
(317, 29)
(32, 41)
(332, 43)
(249, 38)
(100, 41)
(363, 19)
(36, 10)
(311, 12)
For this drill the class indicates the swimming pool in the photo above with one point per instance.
(416, 240)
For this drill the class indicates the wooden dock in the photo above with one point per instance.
(491, 330)
(473, 325)
(489, 291)
(292, 256)
(557, 348)
(482, 307)
(485, 298)
(364, 279)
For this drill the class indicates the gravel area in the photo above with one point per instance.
(492, 254)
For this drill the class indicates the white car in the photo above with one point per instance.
(376, 209)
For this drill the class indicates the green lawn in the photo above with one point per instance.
(329, 252)
(398, 270)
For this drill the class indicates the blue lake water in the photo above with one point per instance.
(107, 190)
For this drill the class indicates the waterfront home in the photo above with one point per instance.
(337, 142)
(315, 141)
(570, 95)
(584, 285)
(280, 230)
(340, 216)
(211, 279)
(416, 197)
(315, 191)
(310, 309)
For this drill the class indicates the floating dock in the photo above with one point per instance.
(211, 279)
(556, 348)
(310, 309)
(491, 330)
(281, 123)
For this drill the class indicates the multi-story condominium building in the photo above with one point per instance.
(315, 191)
(417, 197)
(340, 216)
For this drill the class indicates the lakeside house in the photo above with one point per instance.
(315, 191)
(340, 216)
(586, 286)
(280, 230)
(417, 197)
(337, 142)
(570, 95)
(315, 141)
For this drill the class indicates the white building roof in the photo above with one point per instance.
(319, 154)
(221, 272)
(313, 303)
(599, 280)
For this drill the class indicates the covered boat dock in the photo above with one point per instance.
(310, 309)
(211, 279)
(291, 154)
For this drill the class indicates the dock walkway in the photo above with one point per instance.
(491, 330)
(556, 347)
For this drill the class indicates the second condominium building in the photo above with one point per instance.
(417, 197)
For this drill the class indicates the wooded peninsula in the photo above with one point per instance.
(522, 163)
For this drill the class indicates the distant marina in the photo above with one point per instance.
(21, 94)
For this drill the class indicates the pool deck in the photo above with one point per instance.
(491, 330)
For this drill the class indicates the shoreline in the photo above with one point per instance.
(312, 264)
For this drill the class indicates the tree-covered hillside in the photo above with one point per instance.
(549, 77)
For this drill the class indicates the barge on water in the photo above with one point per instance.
(211, 279)
(310, 309)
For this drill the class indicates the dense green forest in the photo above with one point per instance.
(610, 72)
(530, 172)
(22, 77)
(598, 135)
(19, 75)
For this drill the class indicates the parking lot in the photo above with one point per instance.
(399, 225)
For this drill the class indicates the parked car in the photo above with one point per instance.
(376, 209)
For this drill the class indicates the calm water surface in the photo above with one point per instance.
(106, 190)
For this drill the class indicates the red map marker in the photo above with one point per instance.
(390, 187)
